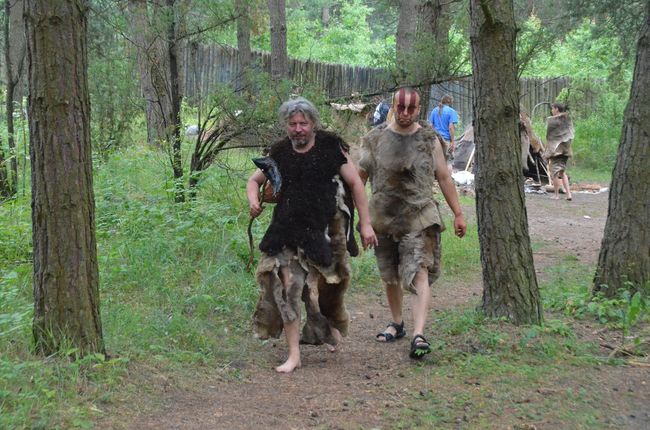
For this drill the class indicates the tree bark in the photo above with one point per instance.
(14, 53)
(406, 30)
(509, 284)
(153, 65)
(160, 79)
(279, 57)
(174, 127)
(624, 260)
(243, 44)
(66, 278)
(433, 34)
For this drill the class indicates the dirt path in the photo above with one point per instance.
(367, 384)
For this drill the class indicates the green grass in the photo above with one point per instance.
(583, 175)
(485, 370)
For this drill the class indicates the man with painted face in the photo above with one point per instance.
(305, 249)
(402, 159)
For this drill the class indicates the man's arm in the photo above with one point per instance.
(449, 190)
(351, 177)
(253, 192)
(452, 137)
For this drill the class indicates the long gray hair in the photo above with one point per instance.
(299, 105)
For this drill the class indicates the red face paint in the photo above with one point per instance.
(406, 102)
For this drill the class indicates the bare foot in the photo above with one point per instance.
(288, 366)
(337, 335)
(555, 197)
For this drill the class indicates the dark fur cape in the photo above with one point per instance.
(308, 197)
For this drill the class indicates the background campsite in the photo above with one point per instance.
(171, 218)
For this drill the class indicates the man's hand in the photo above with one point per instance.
(256, 209)
(460, 227)
(368, 237)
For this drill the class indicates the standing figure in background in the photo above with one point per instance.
(381, 113)
(402, 159)
(306, 246)
(443, 119)
(559, 136)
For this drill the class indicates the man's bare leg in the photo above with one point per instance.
(338, 336)
(556, 187)
(421, 301)
(395, 297)
(292, 331)
(565, 183)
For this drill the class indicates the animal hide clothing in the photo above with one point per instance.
(308, 198)
(311, 234)
(401, 169)
(399, 261)
(404, 214)
(321, 288)
(559, 135)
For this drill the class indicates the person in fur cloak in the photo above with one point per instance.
(402, 159)
(305, 248)
(559, 136)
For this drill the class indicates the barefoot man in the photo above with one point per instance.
(305, 248)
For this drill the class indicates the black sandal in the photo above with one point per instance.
(419, 347)
(389, 337)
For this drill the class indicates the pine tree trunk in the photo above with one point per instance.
(153, 65)
(66, 278)
(174, 127)
(624, 260)
(279, 57)
(14, 53)
(433, 35)
(405, 36)
(243, 45)
(509, 284)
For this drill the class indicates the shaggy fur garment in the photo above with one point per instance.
(308, 198)
(322, 288)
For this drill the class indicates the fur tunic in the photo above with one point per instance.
(311, 234)
(401, 169)
(308, 199)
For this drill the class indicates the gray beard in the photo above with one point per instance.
(299, 143)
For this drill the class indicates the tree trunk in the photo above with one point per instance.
(5, 187)
(433, 35)
(174, 126)
(279, 58)
(66, 278)
(243, 45)
(14, 53)
(153, 64)
(405, 35)
(624, 260)
(160, 79)
(509, 284)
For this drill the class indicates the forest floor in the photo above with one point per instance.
(467, 382)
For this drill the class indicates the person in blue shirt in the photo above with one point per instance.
(444, 118)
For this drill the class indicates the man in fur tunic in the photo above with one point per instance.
(305, 247)
(402, 159)
(559, 136)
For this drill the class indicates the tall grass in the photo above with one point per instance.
(173, 287)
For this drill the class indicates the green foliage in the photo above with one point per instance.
(345, 40)
(581, 54)
(570, 291)
(114, 94)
